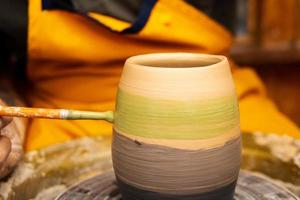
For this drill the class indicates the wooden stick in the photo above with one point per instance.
(55, 113)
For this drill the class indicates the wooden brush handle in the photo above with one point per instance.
(31, 112)
(55, 113)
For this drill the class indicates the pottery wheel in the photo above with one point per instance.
(104, 187)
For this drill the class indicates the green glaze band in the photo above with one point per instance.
(174, 119)
(77, 115)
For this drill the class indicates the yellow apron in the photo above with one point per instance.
(75, 63)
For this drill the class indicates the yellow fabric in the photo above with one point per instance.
(75, 63)
(258, 113)
(107, 20)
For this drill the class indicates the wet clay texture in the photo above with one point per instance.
(162, 170)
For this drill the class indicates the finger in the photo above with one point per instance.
(11, 161)
(5, 148)
(4, 121)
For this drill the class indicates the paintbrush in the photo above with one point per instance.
(55, 113)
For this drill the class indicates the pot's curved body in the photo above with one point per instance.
(176, 128)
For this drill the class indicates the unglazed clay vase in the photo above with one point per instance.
(176, 128)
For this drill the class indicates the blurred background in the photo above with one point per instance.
(268, 39)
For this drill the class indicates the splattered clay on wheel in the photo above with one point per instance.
(249, 187)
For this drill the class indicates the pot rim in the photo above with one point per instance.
(148, 60)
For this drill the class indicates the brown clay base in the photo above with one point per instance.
(133, 193)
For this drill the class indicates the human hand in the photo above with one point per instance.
(11, 147)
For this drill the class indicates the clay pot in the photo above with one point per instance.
(176, 128)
